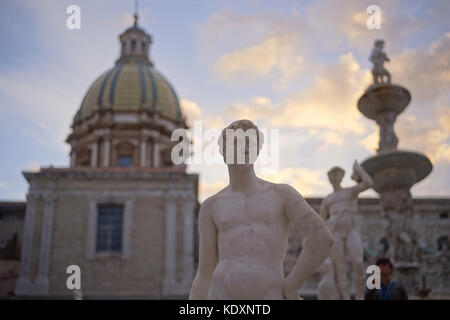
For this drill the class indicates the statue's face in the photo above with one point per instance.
(336, 176)
(239, 143)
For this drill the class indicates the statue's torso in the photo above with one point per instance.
(252, 233)
(342, 208)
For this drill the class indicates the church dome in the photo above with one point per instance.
(127, 116)
(132, 85)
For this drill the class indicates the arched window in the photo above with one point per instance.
(143, 47)
(133, 45)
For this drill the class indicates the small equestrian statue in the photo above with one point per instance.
(378, 57)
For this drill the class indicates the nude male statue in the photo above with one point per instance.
(244, 232)
(341, 206)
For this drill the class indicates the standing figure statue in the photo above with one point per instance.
(378, 57)
(244, 230)
(397, 208)
(341, 207)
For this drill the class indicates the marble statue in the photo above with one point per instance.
(397, 208)
(378, 57)
(341, 207)
(327, 290)
(388, 138)
(244, 232)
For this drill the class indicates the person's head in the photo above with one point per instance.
(379, 43)
(386, 266)
(335, 175)
(240, 143)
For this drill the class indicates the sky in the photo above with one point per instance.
(295, 66)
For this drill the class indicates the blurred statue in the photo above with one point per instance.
(341, 207)
(378, 57)
(244, 230)
(327, 289)
(388, 138)
(397, 208)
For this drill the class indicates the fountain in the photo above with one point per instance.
(394, 171)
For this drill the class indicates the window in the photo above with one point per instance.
(109, 228)
(143, 47)
(133, 45)
(124, 161)
(443, 215)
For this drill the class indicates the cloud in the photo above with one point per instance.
(371, 141)
(330, 102)
(191, 111)
(3, 185)
(327, 107)
(308, 182)
(274, 55)
(346, 22)
(328, 138)
(431, 136)
(258, 46)
(425, 72)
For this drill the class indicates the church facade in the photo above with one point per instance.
(122, 212)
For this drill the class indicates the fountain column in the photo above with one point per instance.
(394, 171)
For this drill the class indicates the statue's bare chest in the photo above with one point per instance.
(255, 210)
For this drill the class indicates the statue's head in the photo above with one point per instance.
(335, 175)
(379, 43)
(240, 143)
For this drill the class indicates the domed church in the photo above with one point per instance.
(122, 212)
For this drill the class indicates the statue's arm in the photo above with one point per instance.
(207, 254)
(324, 210)
(317, 239)
(366, 180)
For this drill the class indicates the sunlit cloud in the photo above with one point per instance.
(308, 182)
(274, 55)
(191, 111)
(330, 102)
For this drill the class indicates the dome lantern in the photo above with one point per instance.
(135, 43)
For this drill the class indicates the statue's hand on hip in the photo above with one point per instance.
(289, 292)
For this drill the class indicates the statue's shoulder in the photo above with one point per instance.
(286, 190)
(212, 200)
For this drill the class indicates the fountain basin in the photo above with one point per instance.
(379, 99)
(397, 169)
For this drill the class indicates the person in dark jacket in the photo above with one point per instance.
(390, 290)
